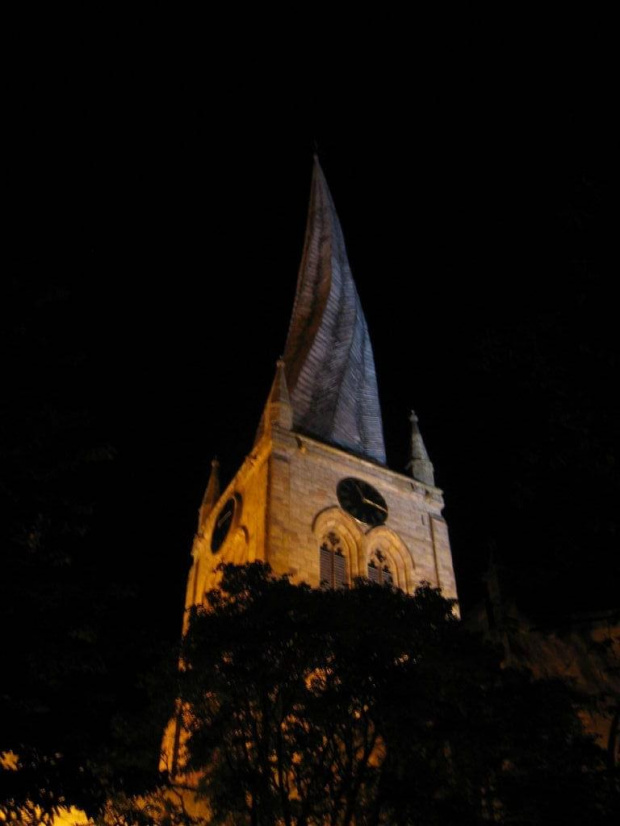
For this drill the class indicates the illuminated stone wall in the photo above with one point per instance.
(246, 539)
(286, 495)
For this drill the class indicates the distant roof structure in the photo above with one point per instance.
(330, 368)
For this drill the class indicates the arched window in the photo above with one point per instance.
(395, 557)
(334, 573)
(379, 570)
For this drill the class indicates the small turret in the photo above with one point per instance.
(212, 494)
(419, 465)
(278, 409)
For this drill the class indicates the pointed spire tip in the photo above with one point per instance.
(212, 494)
(419, 464)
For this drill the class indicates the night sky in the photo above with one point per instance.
(158, 182)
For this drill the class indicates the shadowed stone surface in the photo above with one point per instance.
(329, 362)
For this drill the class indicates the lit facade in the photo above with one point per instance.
(315, 482)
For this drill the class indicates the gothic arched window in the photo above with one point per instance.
(379, 570)
(334, 572)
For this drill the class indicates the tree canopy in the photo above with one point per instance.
(73, 665)
(368, 706)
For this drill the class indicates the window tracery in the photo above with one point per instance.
(334, 569)
(395, 556)
(379, 569)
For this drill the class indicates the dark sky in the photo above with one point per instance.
(159, 176)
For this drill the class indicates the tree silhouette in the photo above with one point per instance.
(367, 706)
(69, 662)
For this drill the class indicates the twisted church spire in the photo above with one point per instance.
(330, 367)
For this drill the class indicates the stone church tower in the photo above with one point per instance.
(314, 497)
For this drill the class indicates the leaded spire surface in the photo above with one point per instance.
(329, 362)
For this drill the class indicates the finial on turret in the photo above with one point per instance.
(212, 494)
(278, 409)
(281, 412)
(419, 464)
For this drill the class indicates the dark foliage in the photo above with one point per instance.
(73, 685)
(367, 706)
(542, 378)
(557, 389)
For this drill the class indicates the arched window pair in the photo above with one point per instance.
(346, 551)
(334, 569)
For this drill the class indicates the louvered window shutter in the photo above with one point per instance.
(378, 572)
(373, 573)
(340, 570)
(326, 567)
